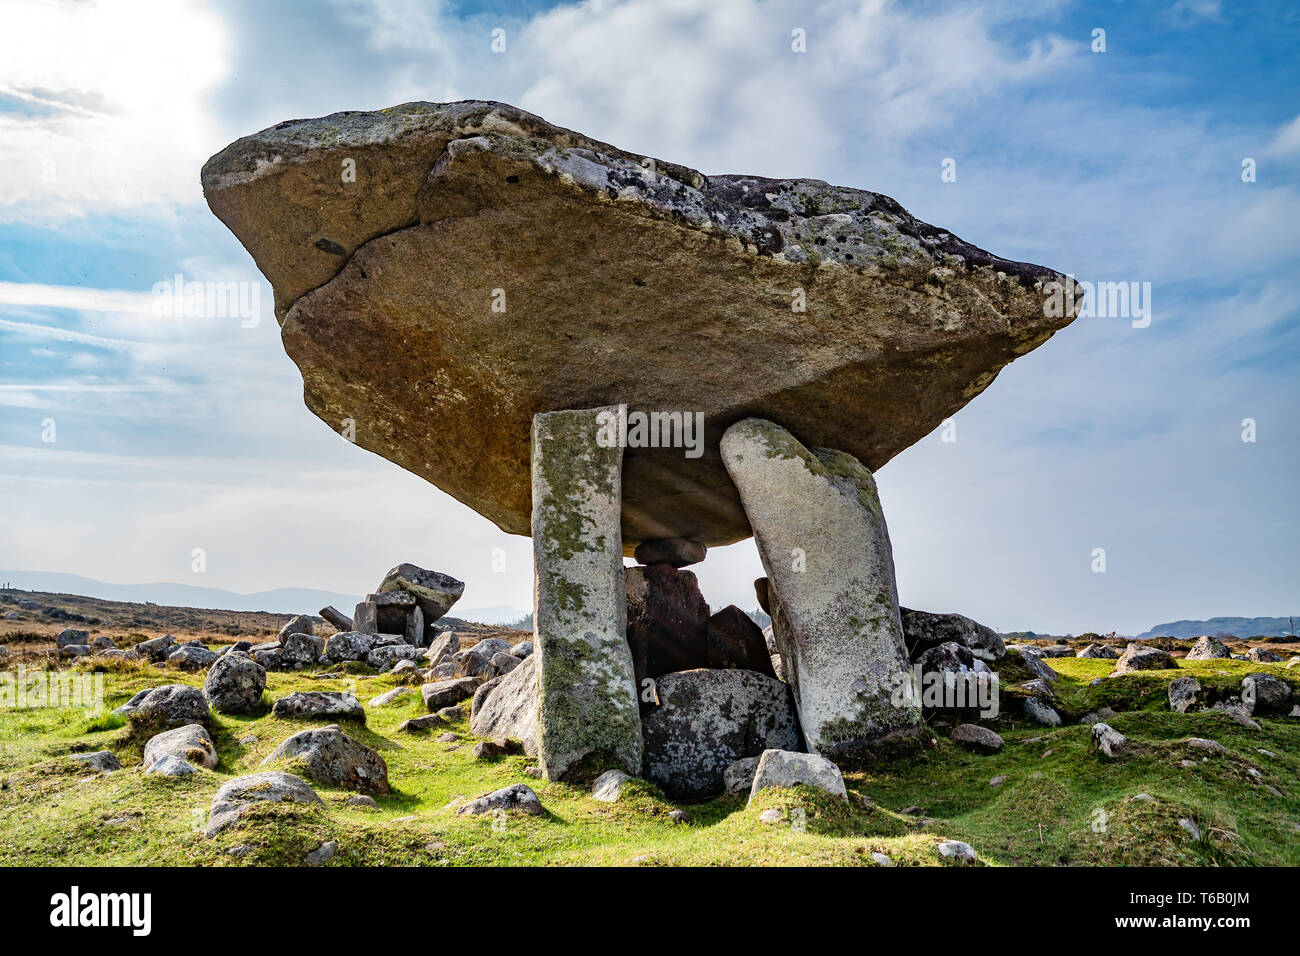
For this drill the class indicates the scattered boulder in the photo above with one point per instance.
(75, 650)
(417, 725)
(707, 720)
(331, 757)
(190, 743)
(447, 692)
(674, 552)
(333, 615)
(234, 684)
(503, 663)
(1261, 656)
(1108, 740)
(489, 647)
(1208, 648)
(102, 642)
(733, 640)
(1265, 694)
(470, 663)
(491, 749)
(170, 765)
(609, 785)
(434, 591)
(105, 761)
(1183, 693)
(518, 796)
(171, 705)
(739, 777)
(322, 854)
(348, 646)
(156, 649)
(314, 704)
(1102, 651)
(923, 630)
(1030, 657)
(444, 645)
(783, 768)
(388, 697)
(300, 648)
(268, 655)
(1138, 657)
(957, 853)
(1209, 746)
(70, 636)
(1056, 650)
(510, 708)
(236, 796)
(191, 657)
(975, 737)
(525, 648)
(384, 658)
(299, 624)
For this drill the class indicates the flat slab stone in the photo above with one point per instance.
(824, 544)
(623, 279)
(586, 695)
(783, 768)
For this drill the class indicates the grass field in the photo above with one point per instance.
(1061, 802)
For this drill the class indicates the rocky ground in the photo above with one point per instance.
(1201, 787)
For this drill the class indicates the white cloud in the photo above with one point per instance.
(105, 104)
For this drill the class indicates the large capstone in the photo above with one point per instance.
(586, 696)
(483, 266)
(706, 720)
(822, 538)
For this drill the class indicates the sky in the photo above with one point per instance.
(139, 447)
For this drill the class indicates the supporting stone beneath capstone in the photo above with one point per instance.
(823, 541)
(586, 695)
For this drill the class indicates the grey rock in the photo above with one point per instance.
(383, 658)
(104, 761)
(923, 630)
(322, 854)
(103, 642)
(1190, 826)
(518, 796)
(510, 710)
(170, 765)
(836, 620)
(75, 650)
(334, 616)
(448, 692)
(739, 777)
(234, 684)
(445, 644)
(300, 624)
(1183, 692)
(1056, 650)
(1103, 651)
(236, 796)
(1208, 648)
(676, 552)
(156, 649)
(1041, 713)
(268, 655)
(388, 697)
(190, 743)
(706, 720)
(586, 695)
(1209, 746)
(1108, 740)
(882, 859)
(331, 757)
(609, 785)
(504, 663)
(733, 640)
(978, 738)
(1140, 658)
(171, 705)
(361, 800)
(417, 725)
(348, 646)
(1265, 694)
(434, 591)
(314, 704)
(782, 768)
(70, 636)
(1261, 656)
(771, 816)
(522, 649)
(1030, 657)
(958, 853)
(191, 657)
(300, 648)
(489, 647)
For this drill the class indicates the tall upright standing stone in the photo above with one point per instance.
(587, 702)
(822, 537)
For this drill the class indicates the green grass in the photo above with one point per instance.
(53, 812)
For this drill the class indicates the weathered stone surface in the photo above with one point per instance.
(300, 648)
(170, 705)
(677, 552)
(447, 692)
(1208, 648)
(978, 738)
(824, 544)
(587, 700)
(517, 796)
(236, 796)
(923, 630)
(336, 617)
(443, 645)
(330, 756)
(706, 721)
(384, 658)
(169, 765)
(300, 624)
(419, 725)
(69, 636)
(191, 657)
(667, 621)
(522, 649)
(957, 853)
(1104, 651)
(1265, 694)
(190, 743)
(348, 646)
(490, 647)
(1107, 740)
(391, 696)
(314, 704)
(155, 649)
(1183, 692)
(904, 322)
(1139, 658)
(1261, 656)
(781, 768)
(434, 591)
(1056, 650)
(105, 761)
(1030, 657)
(75, 650)
(739, 777)
(609, 785)
(510, 709)
(733, 640)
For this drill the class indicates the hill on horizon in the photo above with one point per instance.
(1236, 626)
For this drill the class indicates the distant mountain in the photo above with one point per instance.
(278, 601)
(1236, 626)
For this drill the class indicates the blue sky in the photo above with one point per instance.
(1123, 165)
